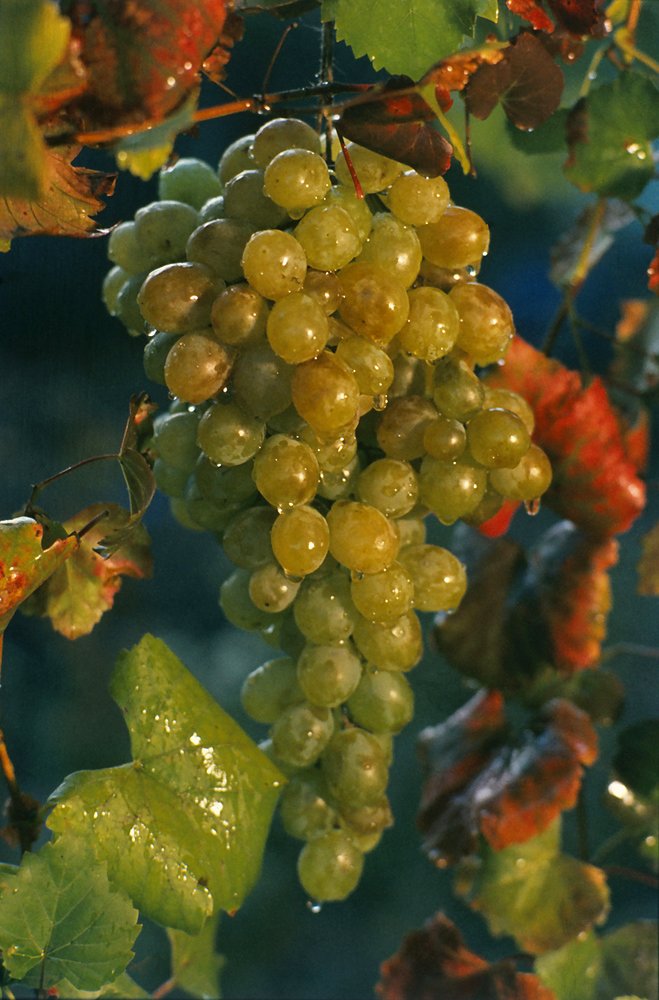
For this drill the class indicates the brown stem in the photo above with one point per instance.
(619, 871)
(275, 55)
(23, 810)
(164, 989)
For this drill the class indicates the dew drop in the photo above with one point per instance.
(532, 507)
(314, 907)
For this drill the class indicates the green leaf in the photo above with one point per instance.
(405, 36)
(592, 968)
(33, 39)
(611, 137)
(540, 896)
(122, 988)
(182, 827)
(195, 962)
(142, 153)
(61, 919)
(22, 153)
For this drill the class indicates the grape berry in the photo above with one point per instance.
(321, 358)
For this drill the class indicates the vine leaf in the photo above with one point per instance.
(648, 567)
(526, 81)
(123, 987)
(183, 826)
(580, 17)
(83, 588)
(598, 968)
(196, 964)
(610, 141)
(434, 962)
(144, 152)
(540, 896)
(595, 483)
(71, 195)
(61, 919)
(143, 57)
(405, 36)
(395, 121)
(480, 781)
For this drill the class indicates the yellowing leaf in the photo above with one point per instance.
(183, 826)
(33, 40)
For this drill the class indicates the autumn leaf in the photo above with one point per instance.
(595, 482)
(79, 592)
(434, 962)
(394, 120)
(580, 17)
(526, 81)
(71, 196)
(481, 781)
(455, 72)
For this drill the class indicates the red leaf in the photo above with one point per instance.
(434, 964)
(595, 482)
(455, 72)
(527, 82)
(579, 17)
(394, 120)
(499, 523)
(521, 787)
(532, 12)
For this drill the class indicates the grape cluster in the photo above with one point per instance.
(321, 351)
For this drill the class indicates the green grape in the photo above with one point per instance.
(297, 328)
(497, 438)
(344, 196)
(175, 439)
(189, 180)
(374, 304)
(355, 768)
(508, 400)
(225, 484)
(393, 246)
(328, 674)
(402, 425)
(236, 158)
(113, 282)
(390, 485)
(375, 172)
(291, 640)
(489, 506)
(212, 209)
(261, 381)
(246, 540)
(271, 688)
(281, 134)
(301, 733)
(219, 245)
(457, 391)
(274, 263)
(439, 578)
(237, 605)
(383, 702)
(339, 484)
(239, 315)
(179, 511)
(333, 454)
(445, 438)
(486, 323)
(245, 199)
(372, 818)
(330, 866)
(324, 611)
(459, 238)
(418, 200)
(329, 237)
(296, 179)
(197, 367)
(411, 530)
(530, 478)
(126, 252)
(394, 646)
(432, 326)
(177, 298)
(300, 540)
(169, 479)
(410, 374)
(157, 348)
(303, 806)
(450, 489)
(361, 538)
(383, 596)
(446, 278)
(162, 229)
(286, 472)
(128, 310)
(326, 394)
(207, 514)
(271, 589)
(228, 435)
(372, 367)
(324, 287)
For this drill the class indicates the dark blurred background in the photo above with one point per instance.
(68, 373)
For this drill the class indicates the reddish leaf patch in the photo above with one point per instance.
(521, 787)
(595, 482)
(395, 121)
(579, 17)
(434, 963)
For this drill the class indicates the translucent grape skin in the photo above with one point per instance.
(330, 866)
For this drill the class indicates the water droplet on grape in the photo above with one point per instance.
(532, 507)
(314, 907)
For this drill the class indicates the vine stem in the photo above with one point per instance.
(164, 989)
(645, 878)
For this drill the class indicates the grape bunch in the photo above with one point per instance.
(320, 349)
